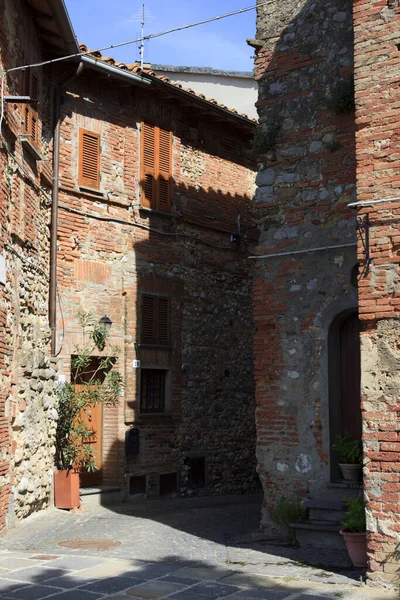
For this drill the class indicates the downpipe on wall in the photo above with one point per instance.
(54, 207)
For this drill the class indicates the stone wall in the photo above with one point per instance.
(376, 26)
(111, 251)
(306, 179)
(27, 413)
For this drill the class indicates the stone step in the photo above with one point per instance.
(324, 534)
(102, 495)
(342, 490)
(325, 510)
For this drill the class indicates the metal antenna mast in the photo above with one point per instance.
(141, 47)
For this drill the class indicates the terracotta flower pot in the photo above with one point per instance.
(66, 489)
(356, 544)
(351, 473)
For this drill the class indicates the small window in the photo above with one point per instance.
(153, 390)
(89, 159)
(156, 167)
(137, 485)
(155, 320)
(30, 113)
(196, 472)
(168, 483)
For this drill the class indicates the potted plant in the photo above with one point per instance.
(92, 383)
(350, 455)
(354, 531)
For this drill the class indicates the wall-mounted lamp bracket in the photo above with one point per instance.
(362, 228)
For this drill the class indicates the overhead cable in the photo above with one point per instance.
(150, 36)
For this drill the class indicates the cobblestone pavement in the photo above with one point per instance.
(182, 549)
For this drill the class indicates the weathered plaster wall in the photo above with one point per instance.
(377, 63)
(105, 265)
(27, 413)
(305, 182)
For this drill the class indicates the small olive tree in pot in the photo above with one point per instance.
(89, 386)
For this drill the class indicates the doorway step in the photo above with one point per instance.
(102, 495)
(321, 530)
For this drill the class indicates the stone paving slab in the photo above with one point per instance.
(174, 549)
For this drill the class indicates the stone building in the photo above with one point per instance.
(125, 195)
(27, 371)
(315, 291)
(146, 238)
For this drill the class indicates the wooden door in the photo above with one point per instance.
(350, 370)
(93, 419)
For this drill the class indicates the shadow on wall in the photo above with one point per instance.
(306, 87)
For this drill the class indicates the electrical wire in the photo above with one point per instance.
(140, 226)
(140, 39)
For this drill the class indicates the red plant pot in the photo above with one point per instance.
(356, 544)
(66, 489)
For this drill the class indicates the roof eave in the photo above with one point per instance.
(112, 71)
(61, 16)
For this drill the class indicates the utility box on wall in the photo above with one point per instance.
(132, 442)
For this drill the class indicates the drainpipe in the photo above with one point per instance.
(54, 209)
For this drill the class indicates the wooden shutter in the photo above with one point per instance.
(148, 319)
(162, 331)
(89, 159)
(164, 170)
(156, 171)
(148, 163)
(155, 320)
(30, 113)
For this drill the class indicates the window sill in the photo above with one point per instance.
(30, 148)
(154, 211)
(92, 192)
(145, 416)
(159, 346)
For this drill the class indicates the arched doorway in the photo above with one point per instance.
(344, 381)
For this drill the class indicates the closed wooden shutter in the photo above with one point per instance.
(155, 320)
(148, 165)
(164, 170)
(148, 320)
(30, 112)
(89, 159)
(156, 167)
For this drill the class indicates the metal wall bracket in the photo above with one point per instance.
(363, 236)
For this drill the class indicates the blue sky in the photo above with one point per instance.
(221, 45)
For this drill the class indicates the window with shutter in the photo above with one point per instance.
(156, 167)
(30, 112)
(89, 159)
(155, 320)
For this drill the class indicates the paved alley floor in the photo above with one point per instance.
(180, 549)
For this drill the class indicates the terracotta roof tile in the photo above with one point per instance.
(137, 70)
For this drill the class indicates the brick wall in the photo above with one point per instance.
(377, 62)
(305, 181)
(27, 416)
(108, 257)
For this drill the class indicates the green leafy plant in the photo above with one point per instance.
(348, 449)
(93, 382)
(264, 140)
(341, 98)
(288, 511)
(354, 519)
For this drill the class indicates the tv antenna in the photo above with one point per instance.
(143, 15)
